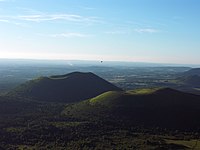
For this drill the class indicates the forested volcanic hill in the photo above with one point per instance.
(67, 88)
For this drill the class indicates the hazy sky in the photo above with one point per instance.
(130, 30)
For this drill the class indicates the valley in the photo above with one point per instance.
(126, 76)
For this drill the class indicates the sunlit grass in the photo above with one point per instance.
(191, 144)
(15, 129)
(105, 96)
(143, 91)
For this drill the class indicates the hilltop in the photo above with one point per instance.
(159, 107)
(67, 88)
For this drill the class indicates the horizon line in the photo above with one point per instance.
(95, 60)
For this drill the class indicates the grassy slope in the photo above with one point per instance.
(143, 91)
(151, 107)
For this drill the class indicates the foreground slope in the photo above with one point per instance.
(71, 87)
(164, 107)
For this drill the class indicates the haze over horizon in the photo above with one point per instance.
(132, 30)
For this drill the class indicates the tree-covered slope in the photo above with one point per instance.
(71, 87)
(191, 72)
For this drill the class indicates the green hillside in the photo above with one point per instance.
(155, 118)
(162, 107)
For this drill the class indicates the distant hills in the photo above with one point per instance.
(66, 88)
(192, 80)
(161, 107)
(192, 72)
(189, 80)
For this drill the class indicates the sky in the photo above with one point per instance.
(159, 31)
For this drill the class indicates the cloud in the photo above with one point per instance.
(87, 8)
(69, 35)
(130, 31)
(52, 17)
(116, 32)
(146, 30)
(7, 0)
(13, 22)
(4, 20)
(177, 18)
(39, 17)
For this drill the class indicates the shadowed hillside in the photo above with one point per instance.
(191, 72)
(71, 87)
(164, 107)
(193, 80)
